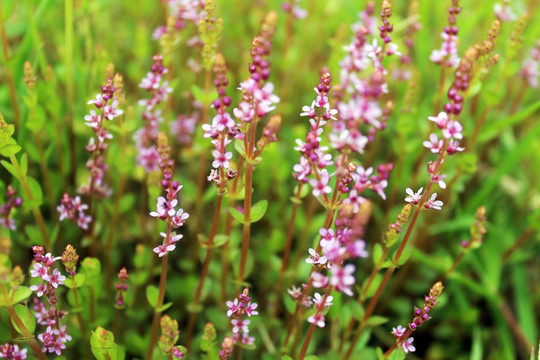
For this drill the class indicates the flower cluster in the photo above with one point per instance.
(421, 315)
(504, 12)
(169, 337)
(166, 206)
(315, 158)
(12, 201)
(222, 129)
(13, 352)
(184, 127)
(358, 101)
(74, 210)
(478, 229)
(237, 310)
(530, 69)
(258, 97)
(145, 138)
(121, 288)
(294, 9)
(107, 107)
(183, 11)
(447, 55)
(54, 337)
(54, 340)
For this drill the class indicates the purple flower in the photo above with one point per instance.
(233, 307)
(163, 249)
(250, 309)
(321, 186)
(453, 130)
(315, 258)
(399, 331)
(342, 278)
(180, 217)
(434, 144)
(221, 159)
(408, 346)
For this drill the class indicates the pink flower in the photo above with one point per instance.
(434, 144)
(98, 102)
(441, 120)
(317, 319)
(39, 288)
(39, 270)
(453, 130)
(412, 196)
(453, 147)
(164, 208)
(180, 217)
(240, 325)
(342, 278)
(245, 112)
(295, 292)
(399, 331)
(233, 307)
(250, 309)
(221, 159)
(319, 280)
(222, 122)
(55, 278)
(303, 170)
(315, 258)
(92, 119)
(321, 186)
(162, 250)
(433, 204)
(317, 299)
(408, 346)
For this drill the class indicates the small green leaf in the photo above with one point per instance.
(77, 282)
(404, 255)
(376, 320)
(9, 150)
(10, 168)
(311, 357)
(220, 240)
(24, 163)
(22, 293)
(377, 253)
(103, 346)
(286, 357)
(240, 147)
(237, 215)
(28, 320)
(152, 293)
(258, 210)
(164, 307)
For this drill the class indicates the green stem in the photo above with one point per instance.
(8, 71)
(247, 201)
(204, 273)
(161, 295)
(68, 13)
(35, 210)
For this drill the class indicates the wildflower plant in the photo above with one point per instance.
(281, 181)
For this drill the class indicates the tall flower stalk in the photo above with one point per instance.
(165, 211)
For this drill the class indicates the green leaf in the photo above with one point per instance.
(22, 293)
(258, 210)
(10, 168)
(24, 163)
(311, 357)
(152, 293)
(237, 215)
(220, 240)
(240, 147)
(27, 318)
(404, 255)
(164, 307)
(103, 346)
(9, 150)
(77, 282)
(376, 320)
(286, 357)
